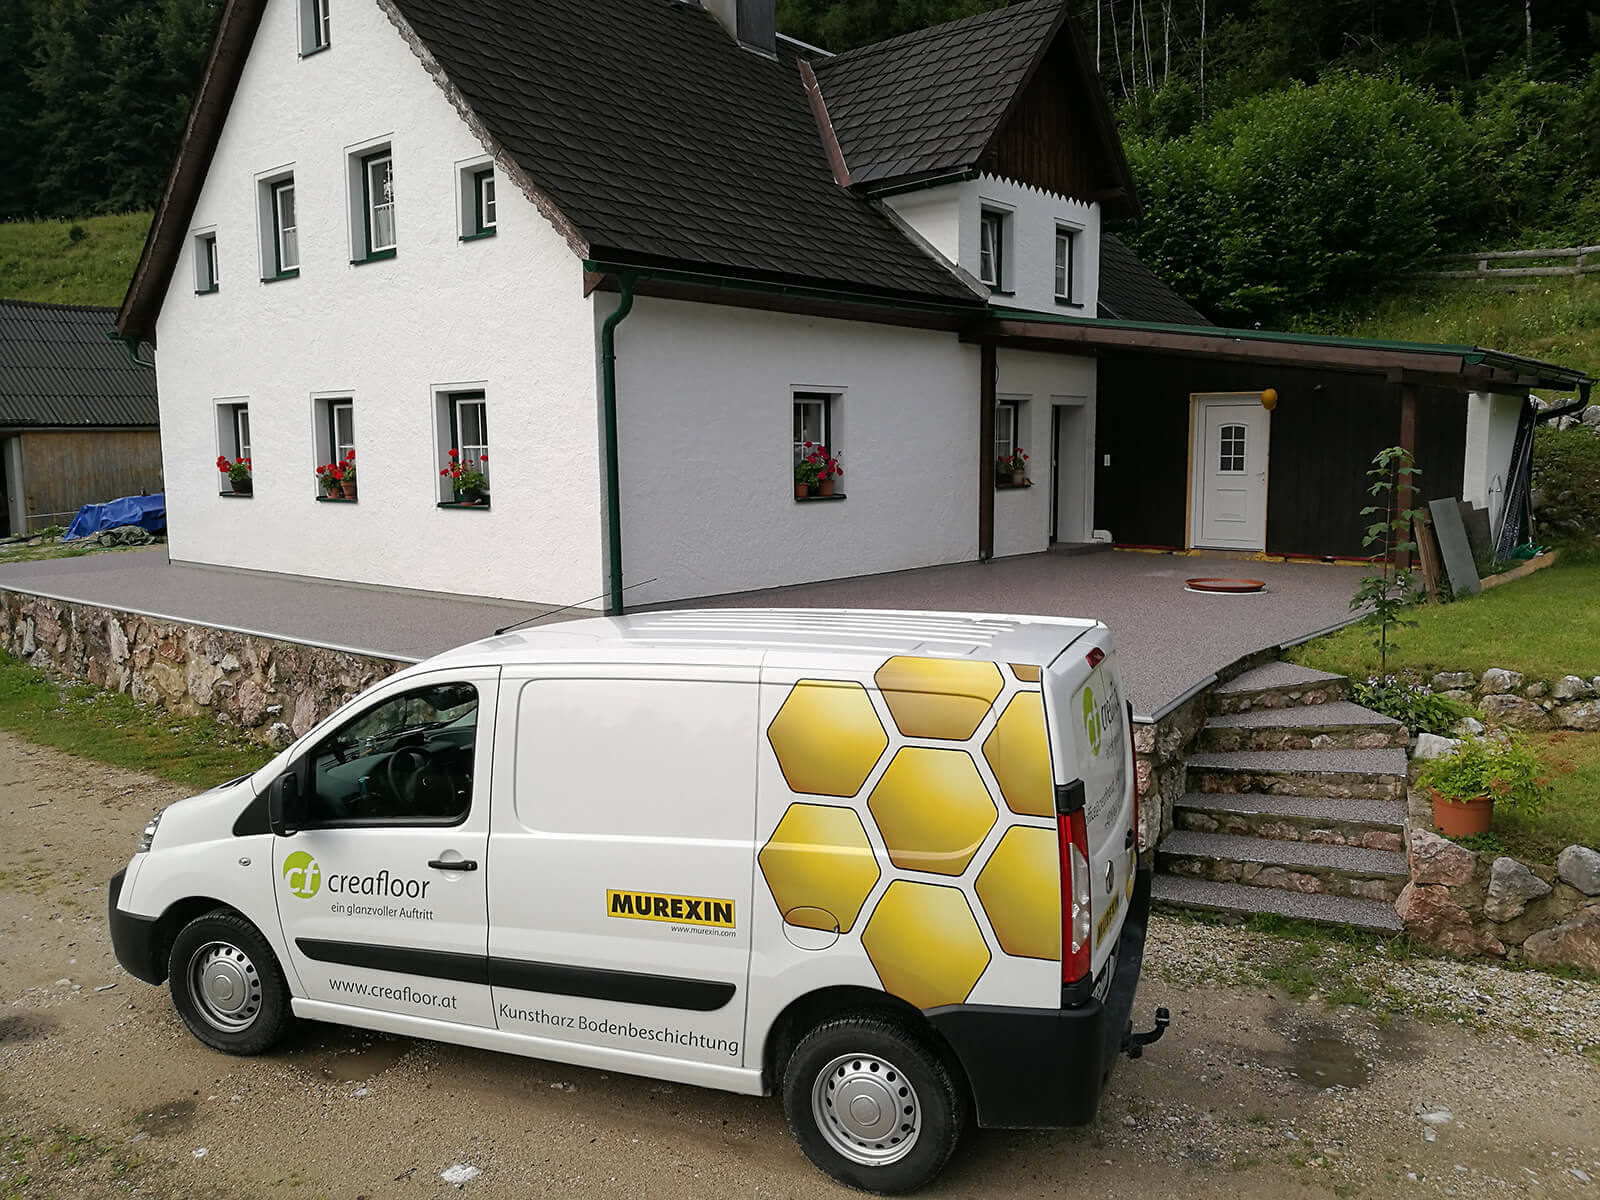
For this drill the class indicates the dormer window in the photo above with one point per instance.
(475, 187)
(314, 26)
(1067, 266)
(992, 249)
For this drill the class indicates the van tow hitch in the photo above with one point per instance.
(1133, 1044)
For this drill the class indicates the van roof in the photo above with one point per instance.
(748, 635)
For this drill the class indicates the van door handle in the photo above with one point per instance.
(459, 864)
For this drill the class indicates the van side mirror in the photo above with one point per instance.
(285, 804)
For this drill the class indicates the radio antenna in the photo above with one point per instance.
(550, 612)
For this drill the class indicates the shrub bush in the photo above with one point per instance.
(1414, 705)
(1305, 198)
(1566, 481)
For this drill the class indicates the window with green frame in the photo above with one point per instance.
(284, 251)
(483, 194)
(468, 413)
(335, 430)
(377, 206)
(478, 208)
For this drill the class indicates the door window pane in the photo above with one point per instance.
(1231, 457)
(406, 760)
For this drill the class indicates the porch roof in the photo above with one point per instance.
(1466, 368)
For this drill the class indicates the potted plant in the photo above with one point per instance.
(467, 480)
(1012, 468)
(805, 478)
(238, 473)
(1467, 784)
(330, 478)
(348, 484)
(823, 465)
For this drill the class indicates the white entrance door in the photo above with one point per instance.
(1229, 505)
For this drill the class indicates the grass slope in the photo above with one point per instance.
(1558, 321)
(40, 261)
(114, 728)
(1546, 626)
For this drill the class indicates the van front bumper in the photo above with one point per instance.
(1045, 1068)
(133, 938)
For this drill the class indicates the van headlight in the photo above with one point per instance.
(149, 834)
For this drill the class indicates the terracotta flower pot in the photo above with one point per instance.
(825, 487)
(348, 489)
(1018, 477)
(1462, 818)
(801, 491)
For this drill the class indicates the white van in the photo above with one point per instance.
(881, 862)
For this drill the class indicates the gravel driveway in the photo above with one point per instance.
(1256, 1092)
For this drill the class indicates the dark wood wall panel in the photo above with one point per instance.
(1325, 430)
(1046, 141)
(61, 472)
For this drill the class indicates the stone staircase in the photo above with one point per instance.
(1295, 805)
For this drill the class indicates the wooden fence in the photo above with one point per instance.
(1584, 260)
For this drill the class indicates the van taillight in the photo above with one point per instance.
(1133, 766)
(1095, 657)
(1072, 834)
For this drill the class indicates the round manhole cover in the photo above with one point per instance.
(1231, 587)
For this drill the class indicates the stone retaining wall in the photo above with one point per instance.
(1161, 755)
(1462, 902)
(272, 689)
(1509, 698)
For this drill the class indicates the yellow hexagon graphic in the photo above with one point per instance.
(938, 697)
(1027, 672)
(1020, 888)
(933, 809)
(827, 737)
(819, 866)
(925, 944)
(1019, 756)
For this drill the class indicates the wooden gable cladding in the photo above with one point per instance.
(1050, 138)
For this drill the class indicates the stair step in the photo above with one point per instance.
(1310, 867)
(1339, 723)
(1278, 685)
(1243, 900)
(1362, 774)
(1373, 824)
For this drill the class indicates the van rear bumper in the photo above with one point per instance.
(133, 938)
(1045, 1068)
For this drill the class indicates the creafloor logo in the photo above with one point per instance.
(1091, 721)
(301, 873)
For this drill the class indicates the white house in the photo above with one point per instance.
(635, 252)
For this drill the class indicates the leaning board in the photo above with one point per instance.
(1452, 535)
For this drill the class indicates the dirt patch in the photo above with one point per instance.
(1256, 1093)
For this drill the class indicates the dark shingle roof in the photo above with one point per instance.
(662, 142)
(930, 101)
(1130, 291)
(58, 367)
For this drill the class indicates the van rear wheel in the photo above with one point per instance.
(227, 985)
(872, 1104)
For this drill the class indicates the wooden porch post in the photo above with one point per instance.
(1408, 441)
(986, 387)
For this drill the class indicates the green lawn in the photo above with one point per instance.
(40, 260)
(1558, 320)
(115, 729)
(1573, 814)
(1546, 626)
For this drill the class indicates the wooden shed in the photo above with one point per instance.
(78, 416)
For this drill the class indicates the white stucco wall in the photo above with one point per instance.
(1041, 382)
(1491, 433)
(705, 401)
(506, 314)
(948, 218)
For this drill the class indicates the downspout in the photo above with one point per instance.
(608, 387)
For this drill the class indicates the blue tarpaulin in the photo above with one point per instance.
(147, 512)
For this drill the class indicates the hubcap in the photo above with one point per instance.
(866, 1109)
(225, 985)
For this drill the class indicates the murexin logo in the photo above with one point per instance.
(301, 873)
(1091, 721)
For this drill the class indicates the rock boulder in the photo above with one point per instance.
(1585, 716)
(1437, 860)
(1511, 886)
(1435, 919)
(1516, 712)
(1574, 942)
(1580, 866)
(1496, 680)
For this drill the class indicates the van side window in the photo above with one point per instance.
(405, 761)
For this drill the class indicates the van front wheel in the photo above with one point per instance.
(871, 1104)
(227, 985)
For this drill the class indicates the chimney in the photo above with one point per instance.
(753, 23)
